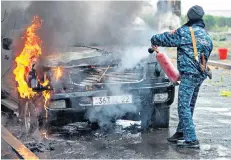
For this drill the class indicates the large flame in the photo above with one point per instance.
(29, 55)
(31, 51)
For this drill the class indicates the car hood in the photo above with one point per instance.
(81, 57)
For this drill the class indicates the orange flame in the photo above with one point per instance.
(45, 83)
(58, 73)
(31, 51)
(47, 96)
(29, 55)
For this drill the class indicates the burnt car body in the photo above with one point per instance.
(93, 78)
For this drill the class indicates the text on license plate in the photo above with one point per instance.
(125, 99)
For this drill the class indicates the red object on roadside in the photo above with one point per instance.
(223, 53)
(170, 70)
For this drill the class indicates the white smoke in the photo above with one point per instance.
(171, 22)
(132, 56)
(105, 116)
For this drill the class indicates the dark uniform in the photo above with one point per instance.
(190, 69)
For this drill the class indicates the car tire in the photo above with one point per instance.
(160, 116)
(94, 125)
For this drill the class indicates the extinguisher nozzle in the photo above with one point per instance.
(150, 50)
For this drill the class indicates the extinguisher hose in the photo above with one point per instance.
(154, 48)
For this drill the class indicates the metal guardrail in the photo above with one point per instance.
(17, 145)
(9, 104)
(219, 64)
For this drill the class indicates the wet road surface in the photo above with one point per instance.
(212, 119)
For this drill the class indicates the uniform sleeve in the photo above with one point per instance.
(167, 39)
(211, 47)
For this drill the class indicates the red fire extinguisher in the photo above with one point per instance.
(169, 69)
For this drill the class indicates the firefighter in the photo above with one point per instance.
(190, 68)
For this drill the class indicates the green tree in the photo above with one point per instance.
(221, 21)
(229, 22)
(210, 21)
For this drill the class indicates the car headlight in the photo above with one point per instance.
(160, 97)
(57, 104)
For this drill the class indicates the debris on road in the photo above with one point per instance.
(39, 147)
(225, 93)
(217, 83)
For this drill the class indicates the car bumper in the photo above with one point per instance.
(76, 110)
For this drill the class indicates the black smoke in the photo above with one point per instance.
(83, 22)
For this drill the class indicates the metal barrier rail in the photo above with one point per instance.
(18, 146)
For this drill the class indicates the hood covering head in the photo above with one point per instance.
(195, 13)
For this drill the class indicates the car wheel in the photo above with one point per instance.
(160, 116)
(94, 125)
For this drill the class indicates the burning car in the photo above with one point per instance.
(89, 84)
(89, 79)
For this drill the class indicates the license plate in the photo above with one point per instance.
(107, 100)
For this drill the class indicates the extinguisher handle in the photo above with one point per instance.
(155, 48)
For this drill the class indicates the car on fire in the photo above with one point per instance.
(89, 78)
(92, 77)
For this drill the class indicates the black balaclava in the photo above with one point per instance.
(195, 12)
(195, 15)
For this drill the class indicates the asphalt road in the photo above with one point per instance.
(212, 120)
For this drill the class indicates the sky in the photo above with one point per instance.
(213, 7)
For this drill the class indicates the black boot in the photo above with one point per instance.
(177, 136)
(193, 144)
